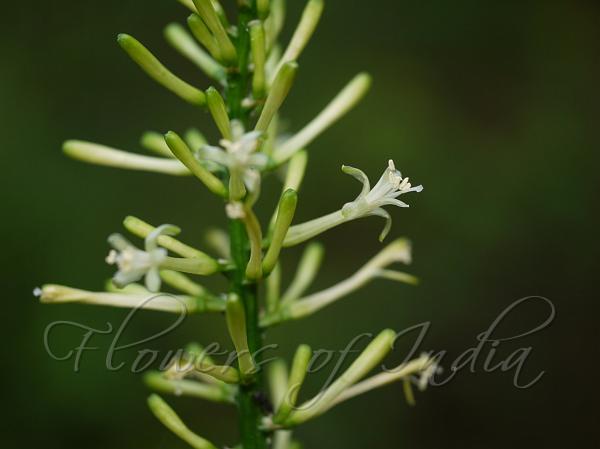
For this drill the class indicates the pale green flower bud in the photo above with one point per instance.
(181, 40)
(293, 307)
(184, 154)
(297, 375)
(181, 282)
(258, 46)
(309, 266)
(277, 94)
(203, 35)
(163, 302)
(206, 10)
(142, 229)
(293, 178)
(339, 106)
(183, 387)
(304, 31)
(155, 142)
(236, 323)
(262, 8)
(274, 23)
(366, 361)
(278, 380)
(194, 138)
(218, 110)
(154, 68)
(94, 153)
(285, 215)
(171, 421)
(272, 289)
(424, 366)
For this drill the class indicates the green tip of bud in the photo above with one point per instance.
(278, 93)
(166, 415)
(185, 155)
(218, 110)
(302, 358)
(157, 71)
(236, 323)
(285, 215)
(262, 7)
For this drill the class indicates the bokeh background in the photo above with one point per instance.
(492, 106)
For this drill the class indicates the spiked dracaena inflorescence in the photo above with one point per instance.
(253, 76)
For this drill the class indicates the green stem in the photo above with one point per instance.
(250, 412)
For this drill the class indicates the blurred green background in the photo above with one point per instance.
(492, 106)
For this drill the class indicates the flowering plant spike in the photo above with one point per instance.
(253, 75)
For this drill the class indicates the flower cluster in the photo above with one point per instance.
(253, 75)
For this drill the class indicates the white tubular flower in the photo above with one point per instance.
(94, 153)
(294, 308)
(239, 156)
(369, 202)
(423, 366)
(134, 263)
(164, 302)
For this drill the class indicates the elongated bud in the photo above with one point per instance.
(154, 68)
(402, 372)
(340, 105)
(189, 265)
(184, 43)
(182, 387)
(297, 375)
(171, 421)
(274, 23)
(258, 46)
(163, 302)
(181, 282)
(94, 153)
(142, 229)
(155, 142)
(278, 380)
(194, 138)
(272, 289)
(285, 215)
(293, 177)
(203, 35)
(295, 171)
(309, 266)
(368, 359)
(397, 251)
(254, 267)
(277, 94)
(209, 15)
(219, 242)
(184, 154)
(236, 323)
(306, 27)
(218, 110)
(262, 8)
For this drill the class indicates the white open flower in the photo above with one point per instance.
(385, 193)
(134, 263)
(369, 202)
(240, 158)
